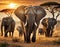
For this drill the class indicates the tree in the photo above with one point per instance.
(52, 7)
(8, 11)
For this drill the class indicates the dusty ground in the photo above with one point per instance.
(41, 41)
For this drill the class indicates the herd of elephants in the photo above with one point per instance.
(30, 19)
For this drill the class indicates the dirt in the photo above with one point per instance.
(41, 41)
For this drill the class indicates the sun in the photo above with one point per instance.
(12, 5)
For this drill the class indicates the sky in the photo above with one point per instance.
(5, 3)
(27, 1)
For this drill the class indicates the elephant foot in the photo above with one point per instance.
(33, 39)
(26, 40)
(5, 36)
(51, 35)
(47, 35)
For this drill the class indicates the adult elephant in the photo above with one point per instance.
(30, 18)
(49, 24)
(9, 24)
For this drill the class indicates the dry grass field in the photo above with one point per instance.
(41, 40)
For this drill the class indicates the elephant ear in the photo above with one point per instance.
(20, 13)
(45, 22)
(40, 13)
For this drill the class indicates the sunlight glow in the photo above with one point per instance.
(12, 5)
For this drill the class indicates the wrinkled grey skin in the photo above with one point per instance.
(19, 28)
(49, 23)
(30, 18)
(9, 24)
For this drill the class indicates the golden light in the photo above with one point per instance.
(12, 5)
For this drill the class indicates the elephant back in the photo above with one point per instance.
(7, 20)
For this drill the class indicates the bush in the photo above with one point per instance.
(57, 41)
(4, 44)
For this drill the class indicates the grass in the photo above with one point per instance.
(15, 39)
(8, 45)
(4, 44)
(18, 46)
(56, 41)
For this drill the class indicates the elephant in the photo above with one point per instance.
(41, 31)
(49, 24)
(30, 17)
(19, 28)
(9, 25)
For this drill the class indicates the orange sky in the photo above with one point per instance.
(5, 3)
(27, 2)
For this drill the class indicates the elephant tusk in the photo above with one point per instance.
(25, 24)
(35, 23)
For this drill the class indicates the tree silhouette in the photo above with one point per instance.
(51, 7)
(8, 11)
(58, 9)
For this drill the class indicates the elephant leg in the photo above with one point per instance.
(10, 34)
(1, 33)
(51, 32)
(47, 33)
(24, 37)
(6, 34)
(34, 36)
(19, 34)
(28, 37)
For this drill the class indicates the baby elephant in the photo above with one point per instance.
(41, 31)
(9, 25)
(19, 28)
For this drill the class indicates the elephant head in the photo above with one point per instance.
(31, 17)
(49, 24)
